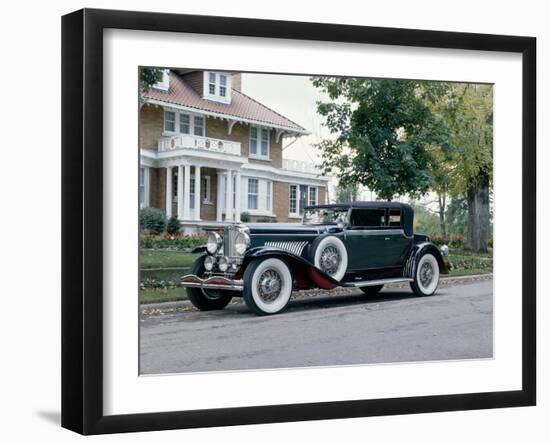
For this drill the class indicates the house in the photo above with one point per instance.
(209, 152)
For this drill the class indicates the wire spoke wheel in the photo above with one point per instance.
(330, 260)
(269, 285)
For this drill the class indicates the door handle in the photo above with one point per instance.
(386, 238)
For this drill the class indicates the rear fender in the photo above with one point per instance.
(417, 250)
(306, 275)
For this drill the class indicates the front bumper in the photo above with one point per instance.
(214, 282)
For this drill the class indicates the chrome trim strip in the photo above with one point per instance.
(194, 281)
(384, 281)
(293, 247)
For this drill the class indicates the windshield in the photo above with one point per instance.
(323, 216)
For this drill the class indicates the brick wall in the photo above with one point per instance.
(241, 133)
(151, 122)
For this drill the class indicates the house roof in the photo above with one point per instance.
(241, 108)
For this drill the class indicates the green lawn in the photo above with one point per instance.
(170, 259)
(162, 286)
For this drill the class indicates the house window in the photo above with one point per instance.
(259, 142)
(268, 195)
(217, 86)
(185, 124)
(143, 187)
(170, 121)
(212, 83)
(253, 189)
(223, 85)
(206, 187)
(301, 196)
(312, 196)
(293, 203)
(198, 125)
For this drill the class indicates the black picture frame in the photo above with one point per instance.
(82, 219)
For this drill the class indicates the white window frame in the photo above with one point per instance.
(309, 201)
(257, 194)
(259, 132)
(144, 190)
(176, 121)
(177, 124)
(216, 96)
(297, 214)
(206, 185)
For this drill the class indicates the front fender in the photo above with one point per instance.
(417, 250)
(306, 275)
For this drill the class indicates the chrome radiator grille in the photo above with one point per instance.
(230, 234)
(295, 247)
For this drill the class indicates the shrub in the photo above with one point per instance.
(451, 242)
(490, 243)
(152, 220)
(245, 217)
(266, 219)
(171, 241)
(173, 226)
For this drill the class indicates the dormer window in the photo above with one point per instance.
(217, 86)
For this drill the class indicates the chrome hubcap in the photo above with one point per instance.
(269, 285)
(330, 260)
(426, 274)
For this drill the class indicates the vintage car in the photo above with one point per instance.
(359, 245)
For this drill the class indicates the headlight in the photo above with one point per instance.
(213, 243)
(208, 263)
(223, 264)
(444, 250)
(242, 242)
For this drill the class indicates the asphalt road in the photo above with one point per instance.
(394, 326)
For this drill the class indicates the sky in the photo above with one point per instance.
(294, 97)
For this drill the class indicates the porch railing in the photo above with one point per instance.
(187, 141)
(300, 166)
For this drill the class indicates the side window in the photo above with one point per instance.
(368, 218)
(395, 218)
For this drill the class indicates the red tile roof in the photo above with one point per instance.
(241, 107)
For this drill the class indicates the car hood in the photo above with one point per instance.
(288, 228)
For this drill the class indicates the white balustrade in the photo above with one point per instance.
(187, 141)
(300, 166)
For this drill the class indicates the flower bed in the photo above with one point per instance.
(171, 241)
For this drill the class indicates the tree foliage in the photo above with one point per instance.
(384, 132)
(347, 193)
(148, 77)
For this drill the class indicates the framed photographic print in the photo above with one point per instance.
(269, 221)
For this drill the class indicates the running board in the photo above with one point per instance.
(385, 281)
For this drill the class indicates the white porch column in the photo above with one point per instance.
(219, 197)
(181, 214)
(198, 192)
(229, 197)
(238, 196)
(186, 189)
(169, 192)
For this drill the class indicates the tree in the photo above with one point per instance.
(469, 116)
(346, 194)
(383, 131)
(148, 77)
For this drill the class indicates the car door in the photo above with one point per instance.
(365, 239)
(396, 243)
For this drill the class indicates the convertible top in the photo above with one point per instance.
(407, 210)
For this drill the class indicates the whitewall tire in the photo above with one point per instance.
(267, 286)
(426, 277)
(331, 257)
